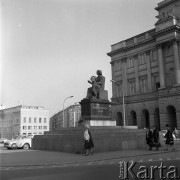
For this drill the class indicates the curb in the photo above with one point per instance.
(94, 160)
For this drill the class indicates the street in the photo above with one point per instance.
(45, 165)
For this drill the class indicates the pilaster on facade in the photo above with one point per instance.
(136, 73)
(124, 76)
(149, 78)
(161, 66)
(176, 61)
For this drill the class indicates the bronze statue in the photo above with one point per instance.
(97, 85)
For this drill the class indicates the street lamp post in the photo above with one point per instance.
(124, 110)
(63, 107)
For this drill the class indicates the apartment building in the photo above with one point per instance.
(71, 115)
(23, 120)
(146, 73)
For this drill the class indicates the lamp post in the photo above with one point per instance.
(63, 107)
(124, 110)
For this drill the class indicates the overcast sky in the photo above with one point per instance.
(50, 48)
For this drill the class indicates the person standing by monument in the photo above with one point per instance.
(156, 138)
(149, 138)
(169, 138)
(89, 144)
(97, 84)
(175, 133)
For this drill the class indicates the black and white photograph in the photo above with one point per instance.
(89, 89)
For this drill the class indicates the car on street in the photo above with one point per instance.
(3, 140)
(24, 142)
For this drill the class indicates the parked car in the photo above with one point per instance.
(24, 142)
(3, 140)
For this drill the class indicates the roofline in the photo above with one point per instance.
(164, 4)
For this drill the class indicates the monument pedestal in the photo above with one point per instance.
(96, 112)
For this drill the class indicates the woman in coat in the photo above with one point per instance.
(89, 145)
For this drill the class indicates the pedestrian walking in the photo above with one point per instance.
(89, 144)
(175, 133)
(156, 138)
(169, 138)
(149, 138)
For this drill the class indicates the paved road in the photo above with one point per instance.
(43, 165)
(88, 171)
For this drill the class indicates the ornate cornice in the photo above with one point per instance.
(165, 31)
(162, 5)
(128, 48)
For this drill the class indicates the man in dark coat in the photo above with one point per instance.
(156, 138)
(169, 137)
(149, 138)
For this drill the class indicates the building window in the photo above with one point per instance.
(168, 50)
(29, 120)
(142, 59)
(24, 120)
(34, 120)
(156, 83)
(130, 62)
(45, 120)
(45, 127)
(131, 87)
(24, 127)
(119, 89)
(35, 127)
(154, 55)
(29, 127)
(40, 127)
(117, 66)
(39, 120)
(143, 85)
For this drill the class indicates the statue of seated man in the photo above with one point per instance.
(97, 84)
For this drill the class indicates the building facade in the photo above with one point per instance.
(72, 115)
(146, 73)
(23, 120)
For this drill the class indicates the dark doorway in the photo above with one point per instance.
(171, 115)
(119, 120)
(157, 119)
(145, 119)
(133, 119)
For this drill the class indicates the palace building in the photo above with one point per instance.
(146, 73)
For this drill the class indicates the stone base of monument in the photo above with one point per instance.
(96, 112)
(105, 139)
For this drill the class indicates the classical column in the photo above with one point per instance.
(124, 77)
(113, 77)
(161, 67)
(148, 61)
(136, 73)
(176, 62)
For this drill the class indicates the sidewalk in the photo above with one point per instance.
(37, 157)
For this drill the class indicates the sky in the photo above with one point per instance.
(50, 48)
